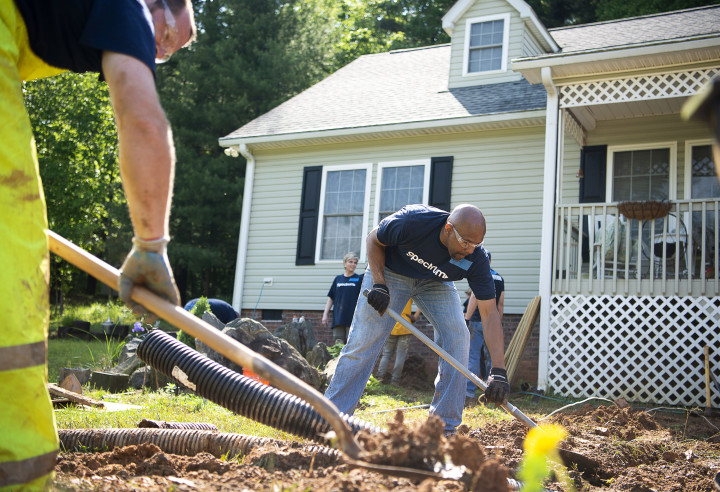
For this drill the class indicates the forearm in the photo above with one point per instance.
(328, 305)
(471, 307)
(147, 154)
(376, 257)
(493, 333)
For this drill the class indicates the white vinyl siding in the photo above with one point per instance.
(487, 10)
(499, 171)
(530, 46)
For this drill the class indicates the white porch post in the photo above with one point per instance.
(244, 228)
(548, 219)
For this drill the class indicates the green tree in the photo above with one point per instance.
(250, 55)
(376, 26)
(76, 142)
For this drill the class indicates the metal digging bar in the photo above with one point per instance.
(240, 354)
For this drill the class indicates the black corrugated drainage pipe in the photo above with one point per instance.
(175, 441)
(237, 393)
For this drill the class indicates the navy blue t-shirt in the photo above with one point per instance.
(413, 248)
(72, 34)
(344, 292)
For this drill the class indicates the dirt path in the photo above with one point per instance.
(630, 450)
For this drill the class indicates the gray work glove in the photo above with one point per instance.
(147, 265)
(498, 387)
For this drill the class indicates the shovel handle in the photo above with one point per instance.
(229, 347)
(509, 407)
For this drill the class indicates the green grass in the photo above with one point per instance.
(95, 354)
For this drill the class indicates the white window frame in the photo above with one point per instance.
(506, 39)
(321, 212)
(689, 144)
(672, 178)
(415, 162)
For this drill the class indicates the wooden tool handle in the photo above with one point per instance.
(223, 344)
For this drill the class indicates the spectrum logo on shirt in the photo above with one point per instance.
(427, 264)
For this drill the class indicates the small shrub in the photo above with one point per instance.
(198, 310)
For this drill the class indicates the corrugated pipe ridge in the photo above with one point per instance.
(175, 441)
(162, 424)
(237, 393)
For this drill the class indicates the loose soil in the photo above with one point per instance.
(624, 450)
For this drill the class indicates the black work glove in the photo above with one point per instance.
(379, 298)
(147, 265)
(498, 387)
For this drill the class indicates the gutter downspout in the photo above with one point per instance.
(244, 227)
(548, 219)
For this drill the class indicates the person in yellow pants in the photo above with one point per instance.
(122, 40)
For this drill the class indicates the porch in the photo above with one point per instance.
(599, 251)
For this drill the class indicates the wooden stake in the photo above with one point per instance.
(708, 396)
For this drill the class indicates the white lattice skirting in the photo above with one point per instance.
(644, 349)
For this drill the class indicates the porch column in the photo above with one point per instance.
(548, 220)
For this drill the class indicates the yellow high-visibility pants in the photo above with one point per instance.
(28, 439)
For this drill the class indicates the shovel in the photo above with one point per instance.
(236, 352)
(570, 457)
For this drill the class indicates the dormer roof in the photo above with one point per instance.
(527, 14)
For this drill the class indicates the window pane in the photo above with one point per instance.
(704, 178)
(486, 43)
(641, 162)
(623, 164)
(640, 188)
(331, 203)
(333, 178)
(621, 189)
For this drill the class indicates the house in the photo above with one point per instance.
(550, 132)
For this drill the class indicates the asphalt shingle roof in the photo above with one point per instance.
(637, 30)
(389, 88)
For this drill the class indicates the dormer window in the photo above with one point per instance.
(486, 44)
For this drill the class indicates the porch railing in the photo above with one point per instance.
(598, 251)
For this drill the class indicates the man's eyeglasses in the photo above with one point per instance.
(169, 40)
(463, 242)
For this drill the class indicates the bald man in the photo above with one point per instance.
(418, 252)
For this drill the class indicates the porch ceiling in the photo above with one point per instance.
(589, 115)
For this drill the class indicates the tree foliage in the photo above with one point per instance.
(76, 144)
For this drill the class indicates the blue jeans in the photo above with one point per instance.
(403, 343)
(440, 304)
(479, 362)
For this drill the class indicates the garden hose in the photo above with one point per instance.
(237, 393)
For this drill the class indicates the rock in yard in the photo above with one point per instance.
(256, 337)
(319, 356)
(299, 335)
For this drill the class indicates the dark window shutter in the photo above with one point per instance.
(593, 162)
(441, 182)
(309, 209)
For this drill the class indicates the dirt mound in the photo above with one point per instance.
(634, 450)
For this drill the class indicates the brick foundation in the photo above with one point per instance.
(527, 371)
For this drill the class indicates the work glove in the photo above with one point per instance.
(147, 265)
(498, 387)
(379, 298)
